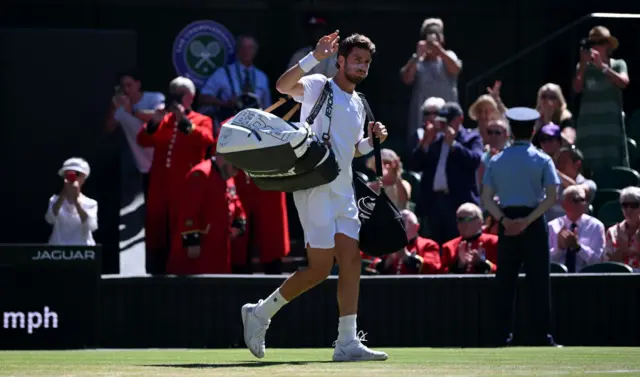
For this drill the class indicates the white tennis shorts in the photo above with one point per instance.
(323, 214)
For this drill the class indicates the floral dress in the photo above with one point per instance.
(634, 246)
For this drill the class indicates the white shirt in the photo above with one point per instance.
(68, 229)
(347, 126)
(440, 178)
(590, 233)
(218, 84)
(131, 125)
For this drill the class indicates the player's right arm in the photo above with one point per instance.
(289, 83)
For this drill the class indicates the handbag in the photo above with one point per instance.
(382, 231)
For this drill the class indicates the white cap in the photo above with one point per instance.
(522, 114)
(76, 164)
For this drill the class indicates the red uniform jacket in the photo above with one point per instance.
(175, 153)
(427, 254)
(209, 208)
(268, 225)
(450, 255)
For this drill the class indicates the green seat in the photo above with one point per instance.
(618, 177)
(607, 267)
(632, 146)
(363, 176)
(604, 196)
(558, 268)
(414, 180)
(633, 125)
(610, 214)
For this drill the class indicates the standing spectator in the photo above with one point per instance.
(131, 108)
(316, 28)
(431, 70)
(601, 79)
(397, 189)
(623, 239)
(569, 165)
(474, 251)
(430, 109)
(421, 256)
(236, 86)
(553, 109)
(576, 239)
(448, 158)
(211, 215)
(497, 137)
(486, 109)
(73, 215)
(180, 139)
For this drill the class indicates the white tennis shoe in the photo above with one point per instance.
(356, 351)
(255, 330)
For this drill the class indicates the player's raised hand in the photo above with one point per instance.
(327, 46)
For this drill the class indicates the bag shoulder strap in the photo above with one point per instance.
(325, 96)
(376, 141)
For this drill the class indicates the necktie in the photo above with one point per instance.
(570, 261)
(246, 88)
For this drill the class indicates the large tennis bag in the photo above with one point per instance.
(277, 154)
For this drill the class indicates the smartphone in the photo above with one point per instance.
(432, 37)
(71, 176)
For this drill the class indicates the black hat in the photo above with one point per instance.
(449, 111)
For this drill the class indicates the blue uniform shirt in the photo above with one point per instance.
(519, 174)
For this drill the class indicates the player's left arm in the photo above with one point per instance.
(365, 144)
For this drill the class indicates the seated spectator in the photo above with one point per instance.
(422, 255)
(73, 215)
(550, 139)
(474, 251)
(576, 239)
(623, 239)
(397, 189)
(430, 109)
(569, 164)
(497, 137)
(553, 109)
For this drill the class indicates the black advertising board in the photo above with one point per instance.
(48, 296)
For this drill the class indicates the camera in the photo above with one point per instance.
(173, 98)
(586, 44)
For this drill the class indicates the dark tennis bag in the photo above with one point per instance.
(277, 154)
(382, 231)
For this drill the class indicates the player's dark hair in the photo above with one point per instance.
(355, 41)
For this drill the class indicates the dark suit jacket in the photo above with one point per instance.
(462, 164)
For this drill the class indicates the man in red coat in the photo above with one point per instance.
(421, 256)
(474, 252)
(267, 227)
(180, 139)
(210, 216)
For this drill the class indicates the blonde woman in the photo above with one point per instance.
(552, 107)
(397, 189)
(487, 108)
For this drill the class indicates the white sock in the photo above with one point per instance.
(347, 329)
(270, 306)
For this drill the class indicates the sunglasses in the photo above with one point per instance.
(494, 132)
(429, 113)
(549, 96)
(578, 199)
(465, 219)
(631, 205)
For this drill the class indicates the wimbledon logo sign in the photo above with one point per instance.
(201, 48)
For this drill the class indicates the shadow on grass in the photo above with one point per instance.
(247, 364)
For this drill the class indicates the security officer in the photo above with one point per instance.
(520, 176)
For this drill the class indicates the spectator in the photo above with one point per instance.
(474, 251)
(431, 70)
(576, 239)
(486, 109)
(569, 165)
(236, 86)
(422, 255)
(211, 215)
(553, 110)
(448, 158)
(180, 139)
(623, 239)
(316, 28)
(397, 189)
(601, 79)
(497, 137)
(130, 109)
(73, 215)
(430, 109)
(550, 140)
